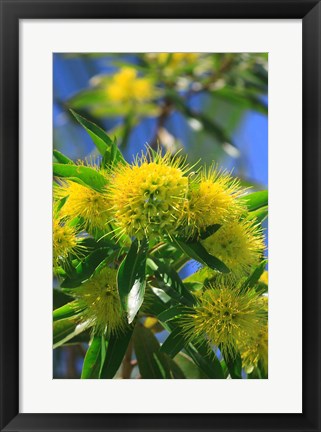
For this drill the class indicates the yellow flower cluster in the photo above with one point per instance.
(229, 318)
(212, 200)
(156, 197)
(85, 203)
(99, 299)
(65, 241)
(239, 244)
(126, 86)
(148, 196)
(256, 351)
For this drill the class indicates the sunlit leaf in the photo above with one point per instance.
(68, 328)
(61, 158)
(255, 200)
(92, 361)
(102, 141)
(66, 311)
(82, 174)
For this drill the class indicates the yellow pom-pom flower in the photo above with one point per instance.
(148, 197)
(85, 203)
(239, 244)
(255, 351)
(99, 299)
(126, 86)
(212, 200)
(65, 241)
(225, 316)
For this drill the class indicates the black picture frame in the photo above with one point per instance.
(11, 12)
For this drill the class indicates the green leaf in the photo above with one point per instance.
(196, 251)
(88, 266)
(255, 200)
(234, 366)
(169, 281)
(173, 312)
(188, 367)
(116, 348)
(174, 343)
(68, 310)
(194, 286)
(131, 278)
(206, 360)
(154, 306)
(252, 280)
(92, 362)
(106, 147)
(61, 158)
(209, 231)
(66, 329)
(81, 174)
(100, 138)
(152, 363)
(260, 214)
(60, 298)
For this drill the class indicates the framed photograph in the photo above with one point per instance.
(160, 215)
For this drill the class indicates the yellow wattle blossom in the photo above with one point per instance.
(65, 240)
(239, 244)
(255, 351)
(83, 202)
(148, 197)
(174, 60)
(99, 299)
(213, 200)
(126, 86)
(226, 316)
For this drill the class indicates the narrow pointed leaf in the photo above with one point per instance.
(255, 200)
(87, 267)
(196, 251)
(209, 231)
(173, 312)
(152, 363)
(106, 147)
(66, 311)
(206, 360)
(174, 343)
(84, 175)
(61, 158)
(169, 281)
(131, 278)
(92, 362)
(260, 214)
(252, 280)
(234, 367)
(66, 329)
(116, 348)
